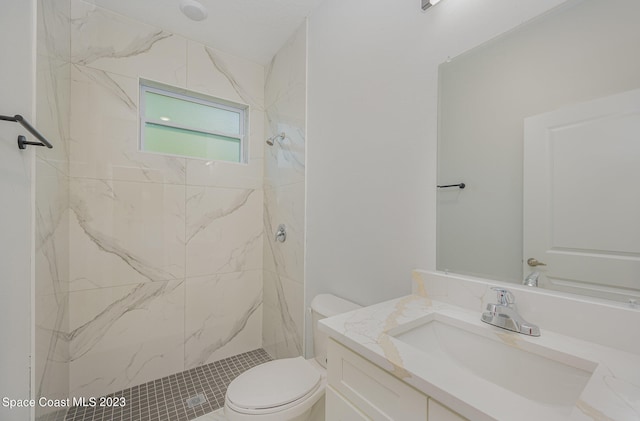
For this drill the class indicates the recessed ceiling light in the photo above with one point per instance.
(193, 9)
(165, 119)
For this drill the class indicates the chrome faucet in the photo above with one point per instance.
(531, 280)
(504, 315)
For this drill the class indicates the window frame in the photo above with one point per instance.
(194, 97)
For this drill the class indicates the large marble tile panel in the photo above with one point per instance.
(283, 319)
(294, 297)
(285, 96)
(284, 176)
(269, 324)
(104, 132)
(225, 174)
(124, 336)
(286, 72)
(51, 264)
(285, 205)
(223, 230)
(289, 108)
(275, 340)
(284, 162)
(51, 360)
(225, 76)
(125, 233)
(51, 258)
(53, 89)
(111, 42)
(270, 297)
(257, 137)
(53, 28)
(51, 201)
(51, 230)
(228, 77)
(223, 316)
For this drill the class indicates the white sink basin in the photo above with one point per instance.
(546, 376)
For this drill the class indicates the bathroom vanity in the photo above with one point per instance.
(360, 390)
(422, 358)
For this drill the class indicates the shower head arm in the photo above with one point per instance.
(272, 138)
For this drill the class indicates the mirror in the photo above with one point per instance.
(576, 57)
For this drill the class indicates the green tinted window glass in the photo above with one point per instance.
(176, 123)
(174, 141)
(189, 114)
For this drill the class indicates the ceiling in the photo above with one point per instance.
(253, 29)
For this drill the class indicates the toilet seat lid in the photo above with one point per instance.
(273, 384)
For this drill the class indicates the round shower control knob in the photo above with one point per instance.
(281, 234)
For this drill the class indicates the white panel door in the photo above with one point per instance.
(582, 197)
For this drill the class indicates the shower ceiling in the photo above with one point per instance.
(253, 29)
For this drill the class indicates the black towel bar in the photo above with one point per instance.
(460, 185)
(22, 141)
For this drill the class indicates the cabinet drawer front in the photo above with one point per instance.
(378, 394)
(339, 409)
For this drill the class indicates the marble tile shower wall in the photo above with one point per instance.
(166, 253)
(52, 202)
(284, 199)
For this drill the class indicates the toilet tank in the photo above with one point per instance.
(322, 306)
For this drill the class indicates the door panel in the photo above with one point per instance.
(582, 198)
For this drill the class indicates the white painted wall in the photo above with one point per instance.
(16, 237)
(371, 161)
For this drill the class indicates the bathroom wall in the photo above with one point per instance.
(284, 193)
(16, 189)
(371, 135)
(166, 253)
(51, 367)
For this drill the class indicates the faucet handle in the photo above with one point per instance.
(505, 297)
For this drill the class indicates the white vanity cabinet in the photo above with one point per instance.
(359, 390)
(339, 409)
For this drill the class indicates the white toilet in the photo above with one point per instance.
(286, 389)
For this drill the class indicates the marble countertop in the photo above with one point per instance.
(611, 393)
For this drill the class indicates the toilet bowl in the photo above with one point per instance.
(286, 389)
(279, 390)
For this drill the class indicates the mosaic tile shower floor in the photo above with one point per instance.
(165, 399)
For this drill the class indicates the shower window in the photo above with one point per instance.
(175, 121)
